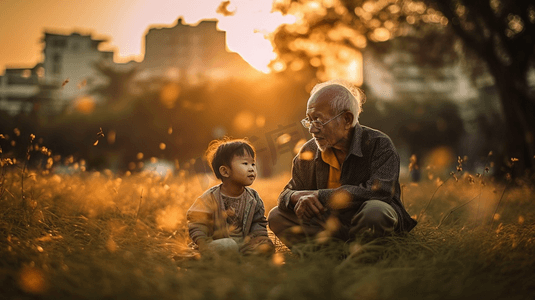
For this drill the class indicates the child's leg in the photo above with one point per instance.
(222, 245)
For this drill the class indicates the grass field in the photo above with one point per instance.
(98, 235)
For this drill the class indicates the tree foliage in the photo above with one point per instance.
(118, 83)
(502, 35)
(497, 38)
(330, 35)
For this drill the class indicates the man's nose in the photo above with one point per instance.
(313, 129)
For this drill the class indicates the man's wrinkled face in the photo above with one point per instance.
(332, 133)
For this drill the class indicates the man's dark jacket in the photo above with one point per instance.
(370, 171)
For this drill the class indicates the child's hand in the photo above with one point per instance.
(203, 244)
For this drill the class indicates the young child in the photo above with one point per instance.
(230, 216)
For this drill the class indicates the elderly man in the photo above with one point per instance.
(344, 181)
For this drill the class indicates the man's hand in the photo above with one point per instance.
(307, 205)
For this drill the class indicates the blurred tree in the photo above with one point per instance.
(329, 35)
(419, 127)
(427, 125)
(174, 120)
(117, 88)
(502, 34)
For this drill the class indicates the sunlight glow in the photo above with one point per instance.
(246, 30)
(124, 26)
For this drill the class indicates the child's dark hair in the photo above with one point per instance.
(221, 152)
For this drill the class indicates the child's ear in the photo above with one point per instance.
(225, 171)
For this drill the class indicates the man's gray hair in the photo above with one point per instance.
(351, 101)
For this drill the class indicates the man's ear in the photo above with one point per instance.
(224, 170)
(348, 119)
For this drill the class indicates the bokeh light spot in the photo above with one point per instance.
(332, 224)
(26, 73)
(169, 94)
(85, 104)
(111, 137)
(307, 155)
(381, 34)
(260, 121)
(299, 145)
(284, 138)
(340, 200)
(244, 121)
(368, 6)
(32, 280)
(440, 158)
(111, 246)
(296, 229)
(279, 66)
(278, 259)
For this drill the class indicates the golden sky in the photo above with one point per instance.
(124, 24)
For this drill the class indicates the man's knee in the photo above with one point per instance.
(378, 212)
(375, 217)
(276, 221)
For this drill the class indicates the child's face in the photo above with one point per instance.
(242, 170)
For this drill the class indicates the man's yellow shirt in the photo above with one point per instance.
(335, 170)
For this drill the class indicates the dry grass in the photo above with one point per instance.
(100, 235)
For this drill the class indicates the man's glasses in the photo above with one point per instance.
(317, 124)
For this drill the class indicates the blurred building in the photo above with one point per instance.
(68, 73)
(192, 52)
(17, 87)
(69, 64)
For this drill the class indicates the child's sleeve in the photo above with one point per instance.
(259, 223)
(258, 241)
(200, 219)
